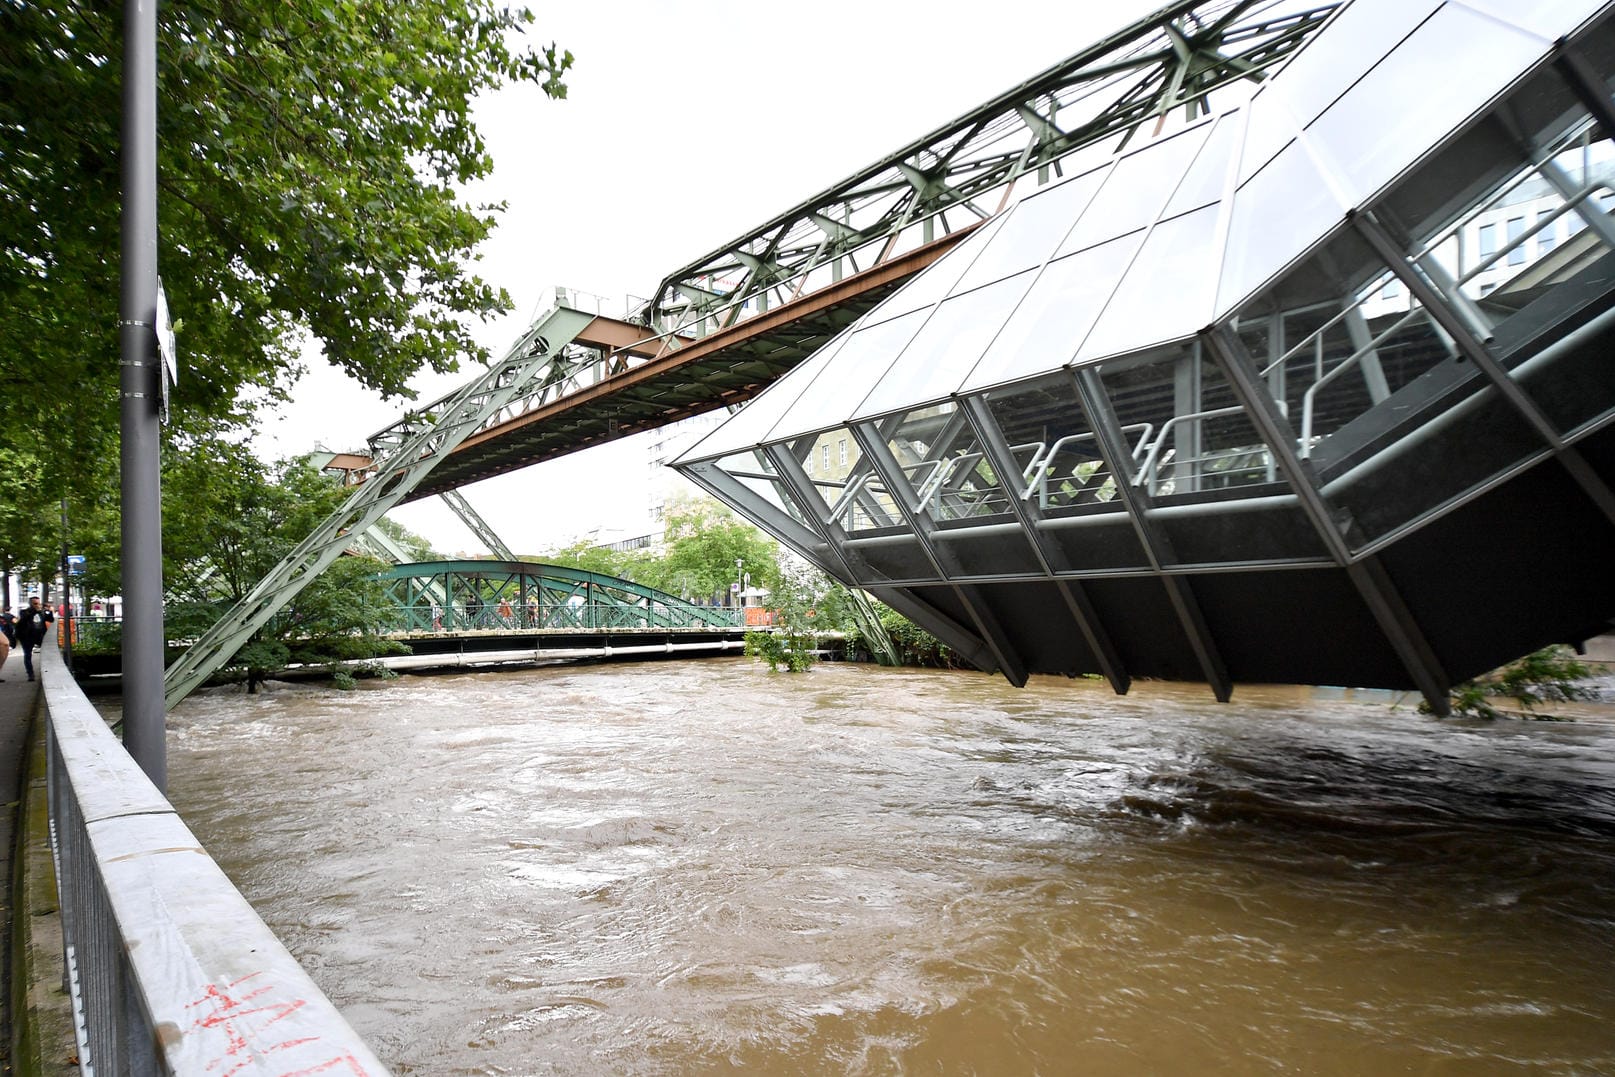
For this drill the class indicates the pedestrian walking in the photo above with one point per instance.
(31, 625)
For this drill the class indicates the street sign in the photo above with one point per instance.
(75, 564)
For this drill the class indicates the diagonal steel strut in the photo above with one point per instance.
(479, 527)
(434, 435)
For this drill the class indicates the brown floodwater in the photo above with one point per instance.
(699, 866)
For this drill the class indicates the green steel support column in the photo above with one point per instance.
(396, 475)
(479, 527)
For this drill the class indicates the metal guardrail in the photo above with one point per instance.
(171, 971)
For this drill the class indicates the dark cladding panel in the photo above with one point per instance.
(1144, 628)
(1527, 565)
(1040, 627)
(1303, 626)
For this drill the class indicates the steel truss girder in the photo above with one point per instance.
(436, 433)
(1180, 55)
(479, 527)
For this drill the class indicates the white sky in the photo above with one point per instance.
(686, 125)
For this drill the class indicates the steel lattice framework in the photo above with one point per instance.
(960, 174)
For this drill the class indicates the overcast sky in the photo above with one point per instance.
(686, 125)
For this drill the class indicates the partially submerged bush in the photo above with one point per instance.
(1550, 675)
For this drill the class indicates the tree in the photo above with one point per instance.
(310, 154)
(702, 541)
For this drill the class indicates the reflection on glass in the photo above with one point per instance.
(1277, 214)
(1166, 292)
(751, 424)
(865, 355)
(937, 279)
(1398, 111)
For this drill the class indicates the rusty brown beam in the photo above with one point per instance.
(896, 269)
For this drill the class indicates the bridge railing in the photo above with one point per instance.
(170, 970)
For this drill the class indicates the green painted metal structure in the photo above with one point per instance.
(529, 596)
(429, 436)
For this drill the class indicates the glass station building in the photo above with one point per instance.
(1305, 391)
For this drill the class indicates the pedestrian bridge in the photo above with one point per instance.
(428, 598)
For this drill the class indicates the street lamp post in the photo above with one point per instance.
(740, 582)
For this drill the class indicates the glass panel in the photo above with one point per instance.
(1136, 190)
(947, 348)
(1463, 438)
(1521, 294)
(1167, 290)
(756, 472)
(1548, 19)
(751, 424)
(1193, 437)
(1050, 323)
(836, 390)
(1280, 212)
(856, 497)
(1039, 222)
(1359, 37)
(1207, 179)
(1419, 94)
(1345, 373)
(940, 460)
(937, 279)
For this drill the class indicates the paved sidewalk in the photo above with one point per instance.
(19, 697)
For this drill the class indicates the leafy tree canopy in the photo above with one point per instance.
(310, 154)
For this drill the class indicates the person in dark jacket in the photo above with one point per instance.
(31, 624)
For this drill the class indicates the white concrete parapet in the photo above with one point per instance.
(172, 971)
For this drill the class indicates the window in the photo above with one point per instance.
(825, 455)
(1488, 241)
(841, 446)
(1545, 238)
(1392, 289)
(1574, 222)
(1516, 249)
(1487, 289)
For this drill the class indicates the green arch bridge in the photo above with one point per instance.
(527, 596)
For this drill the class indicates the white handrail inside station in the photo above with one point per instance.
(172, 972)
